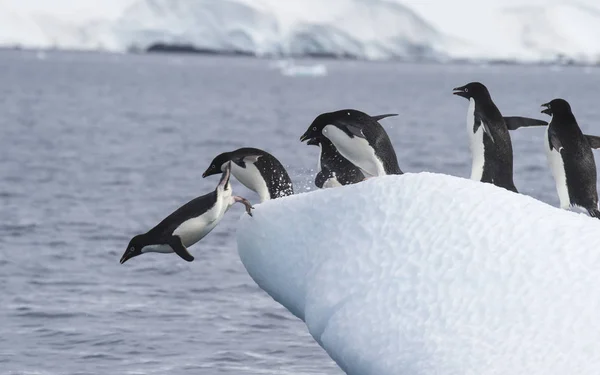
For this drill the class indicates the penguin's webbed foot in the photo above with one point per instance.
(246, 203)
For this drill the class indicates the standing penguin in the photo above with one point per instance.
(256, 169)
(571, 160)
(359, 138)
(491, 148)
(188, 224)
(334, 169)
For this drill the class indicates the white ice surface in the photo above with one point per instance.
(523, 30)
(428, 274)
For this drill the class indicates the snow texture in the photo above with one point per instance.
(518, 30)
(425, 274)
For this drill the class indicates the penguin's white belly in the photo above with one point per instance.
(476, 144)
(194, 229)
(557, 167)
(251, 178)
(356, 150)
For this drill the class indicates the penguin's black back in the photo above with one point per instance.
(333, 162)
(498, 154)
(578, 160)
(273, 172)
(374, 133)
(194, 208)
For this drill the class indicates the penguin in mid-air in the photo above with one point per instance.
(491, 148)
(188, 224)
(571, 160)
(334, 169)
(257, 170)
(359, 138)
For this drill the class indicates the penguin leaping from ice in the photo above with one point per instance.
(256, 169)
(359, 138)
(188, 224)
(334, 170)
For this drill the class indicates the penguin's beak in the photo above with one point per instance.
(131, 252)
(304, 137)
(547, 109)
(209, 172)
(460, 91)
(313, 141)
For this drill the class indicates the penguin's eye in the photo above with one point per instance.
(132, 248)
(466, 90)
(314, 128)
(212, 166)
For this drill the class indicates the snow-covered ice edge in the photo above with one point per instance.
(433, 274)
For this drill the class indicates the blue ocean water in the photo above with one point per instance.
(95, 148)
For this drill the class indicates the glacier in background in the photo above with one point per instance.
(438, 30)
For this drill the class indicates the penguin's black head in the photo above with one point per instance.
(217, 166)
(471, 90)
(556, 107)
(134, 248)
(315, 130)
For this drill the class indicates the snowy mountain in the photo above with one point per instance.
(534, 30)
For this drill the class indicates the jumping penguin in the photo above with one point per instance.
(188, 224)
(570, 158)
(491, 148)
(334, 169)
(359, 138)
(256, 169)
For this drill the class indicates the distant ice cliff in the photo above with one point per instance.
(513, 30)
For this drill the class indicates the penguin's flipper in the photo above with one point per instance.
(515, 122)
(381, 117)
(352, 130)
(486, 129)
(179, 249)
(242, 160)
(593, 140)
(554, 141)
(320, 179)
(251, 158)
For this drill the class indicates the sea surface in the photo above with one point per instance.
(95, 148)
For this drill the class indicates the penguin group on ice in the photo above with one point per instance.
(354, 147)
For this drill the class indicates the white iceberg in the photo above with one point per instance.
(425, 274)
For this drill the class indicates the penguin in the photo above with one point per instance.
(359, 138)
(257, 170)
(334, 169)
(570, 158)
(491, 148)
(188, 224)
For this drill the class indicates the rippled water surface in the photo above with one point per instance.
(95, 148)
